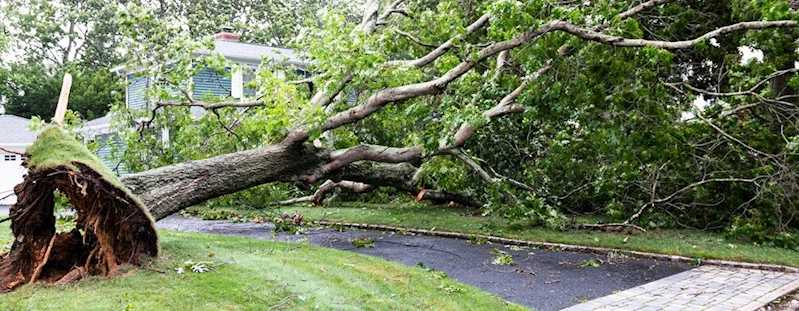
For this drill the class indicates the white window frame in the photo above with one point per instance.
(127, 91)
(165, 137)
(237, 82)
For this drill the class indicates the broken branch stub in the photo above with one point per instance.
(112, 227)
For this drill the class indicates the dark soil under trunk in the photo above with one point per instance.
(111, 229)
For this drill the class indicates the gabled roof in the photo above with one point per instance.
(243, 53)
(99, 121)
(14, 130)
(103, 125)
(252, 53)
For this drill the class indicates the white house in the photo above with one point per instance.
(15, 136)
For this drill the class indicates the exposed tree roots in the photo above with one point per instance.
(111, 229)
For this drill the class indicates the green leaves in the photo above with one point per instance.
(599, 128)
(33, 90)
(502, 258)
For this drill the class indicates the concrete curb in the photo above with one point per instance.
(568, 247)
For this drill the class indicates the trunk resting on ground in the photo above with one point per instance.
(170, 189)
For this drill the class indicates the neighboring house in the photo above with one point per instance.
(15, 136)
(205, 81)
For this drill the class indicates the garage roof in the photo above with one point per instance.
(14, 130)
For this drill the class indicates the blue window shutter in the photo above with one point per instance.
(135, 91)
(207, 80)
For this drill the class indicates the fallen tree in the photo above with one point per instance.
(170, 189)
(437, 102)
(112, 227)
(532, 77)
(440, 102)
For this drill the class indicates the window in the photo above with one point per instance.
(239, 80)
(248, 76)
(102, 138)
(10, 157)
(302, 73)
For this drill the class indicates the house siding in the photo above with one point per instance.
(135, 91)
(207, 80)
(107, 141)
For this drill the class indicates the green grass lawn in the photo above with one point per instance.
(255, 274)
(690, 243)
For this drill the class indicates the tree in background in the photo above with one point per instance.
(32, 90)
(268, 22)
(47, 39)
(42, 40)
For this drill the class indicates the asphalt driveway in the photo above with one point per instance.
(540, 278)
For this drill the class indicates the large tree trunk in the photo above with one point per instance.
(169, 189)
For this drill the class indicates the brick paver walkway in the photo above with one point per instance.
(702, 288)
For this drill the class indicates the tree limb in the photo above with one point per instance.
(327, 186)
(458, 154)
(374, 153)
(326, 95)
(22, 154)
(669, 45)
(393, 8)
(643, 6)
(504, 107)
(438, 85)
(212, 106)
(414, 39)
(750, 92)
(442, 49)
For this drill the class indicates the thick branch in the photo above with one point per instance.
(326, 95)
(400, 176)
(384, 97)
(504, 107)
(329, 185)
(393, 8)
(326, 187)
(669, 45)
(369, 16)
(457, 153)
(375, 153)
(212, 106)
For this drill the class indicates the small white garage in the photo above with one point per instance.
(15, 136)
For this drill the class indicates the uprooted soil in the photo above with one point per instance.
(109, 231)
(112, 228)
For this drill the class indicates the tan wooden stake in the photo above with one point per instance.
(61, 109)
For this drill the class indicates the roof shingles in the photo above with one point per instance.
(14, 130)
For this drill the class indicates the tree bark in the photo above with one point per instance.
(169, 189)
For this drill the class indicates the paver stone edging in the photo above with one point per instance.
(568, 247)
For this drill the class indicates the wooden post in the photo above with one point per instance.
(61, 109)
